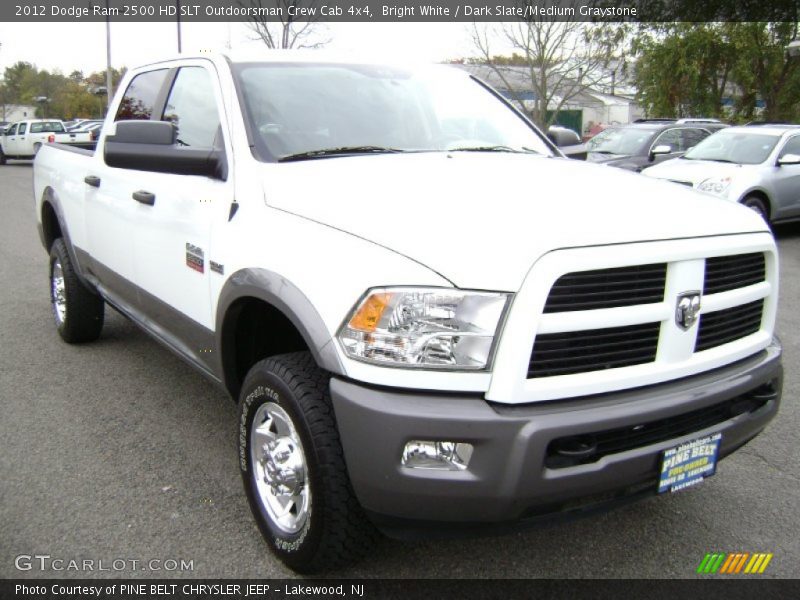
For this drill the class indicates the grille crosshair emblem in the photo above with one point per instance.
(687, 309)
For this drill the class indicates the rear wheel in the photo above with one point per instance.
(78, 311)
(757, 204)
(293, 467)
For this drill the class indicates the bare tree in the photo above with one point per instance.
(284, 30)
(559, 60)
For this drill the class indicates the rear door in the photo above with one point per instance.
(21, 144)
(111, 210)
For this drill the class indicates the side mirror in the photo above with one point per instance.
(568, 142)
(658, 150)
(153, 146)
(789, 159)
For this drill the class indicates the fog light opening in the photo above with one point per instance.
(442, 456)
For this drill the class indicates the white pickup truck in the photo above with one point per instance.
(430, 319)
(23, 139)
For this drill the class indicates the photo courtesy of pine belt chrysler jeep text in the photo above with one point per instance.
(431, 320)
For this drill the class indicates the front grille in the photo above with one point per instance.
(607, 288)
(728, 325)
(725, 273)
(593, 350)
(591, 447)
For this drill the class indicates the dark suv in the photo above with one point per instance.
(647, 142)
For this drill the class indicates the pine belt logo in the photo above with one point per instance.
(734, 563)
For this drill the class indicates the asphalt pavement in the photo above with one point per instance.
(117, 451)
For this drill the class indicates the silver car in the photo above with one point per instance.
(757, 165)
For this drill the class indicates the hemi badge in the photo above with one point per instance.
(216, 267)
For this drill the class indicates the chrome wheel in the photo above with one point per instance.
(58, 293)
(279, 468)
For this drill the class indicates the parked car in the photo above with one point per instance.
(646, 142)
(23, 139)
(758, 166)
(430, 319)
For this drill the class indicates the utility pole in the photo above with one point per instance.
(178, 19)
(109, 90)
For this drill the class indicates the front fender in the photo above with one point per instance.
(281, 293)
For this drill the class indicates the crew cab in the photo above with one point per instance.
(430, 319)
(23, 139)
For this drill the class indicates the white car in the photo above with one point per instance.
(430, 319)
(22, 140)
(757, 165)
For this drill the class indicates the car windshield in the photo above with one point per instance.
(743, 148)
(621, 140)
(47, 127)
(310, 110)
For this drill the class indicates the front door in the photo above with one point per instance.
(172, 234)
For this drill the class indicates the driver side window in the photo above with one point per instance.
(791, 147)
(12, 130)
(671, 138)
(193, 110)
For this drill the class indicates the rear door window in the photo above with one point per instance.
(23, 127)
(140, 98)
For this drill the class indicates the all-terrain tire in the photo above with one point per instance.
(77, 310)
(330, 530)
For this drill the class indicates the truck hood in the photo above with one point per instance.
(482, 219)
(692, 171)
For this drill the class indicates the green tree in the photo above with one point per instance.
(692, 69)
(684, 70)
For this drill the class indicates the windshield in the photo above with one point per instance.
(743, 148)
(312, 110)
(627, 141)
(47, 127)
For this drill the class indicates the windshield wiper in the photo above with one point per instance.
(605, 152)
(343, 150)
(497, 148)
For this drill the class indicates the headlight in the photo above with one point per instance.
(424, 328)
(715, 185)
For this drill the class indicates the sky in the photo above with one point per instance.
(82, 46)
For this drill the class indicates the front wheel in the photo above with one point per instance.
(758, 205)
(3, 158)
(293, 467)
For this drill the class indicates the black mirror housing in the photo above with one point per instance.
(152, 146)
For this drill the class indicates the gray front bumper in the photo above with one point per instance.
(507, 479)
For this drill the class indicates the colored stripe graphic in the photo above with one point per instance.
(764, 564)
(727, 565)
(703, 563)
(740, 564)
(734, 563)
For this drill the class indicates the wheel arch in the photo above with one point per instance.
(760, 193)
(255, 301)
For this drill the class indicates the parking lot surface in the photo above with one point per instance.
(117, 450)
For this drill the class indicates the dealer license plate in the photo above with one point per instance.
(689, 464)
